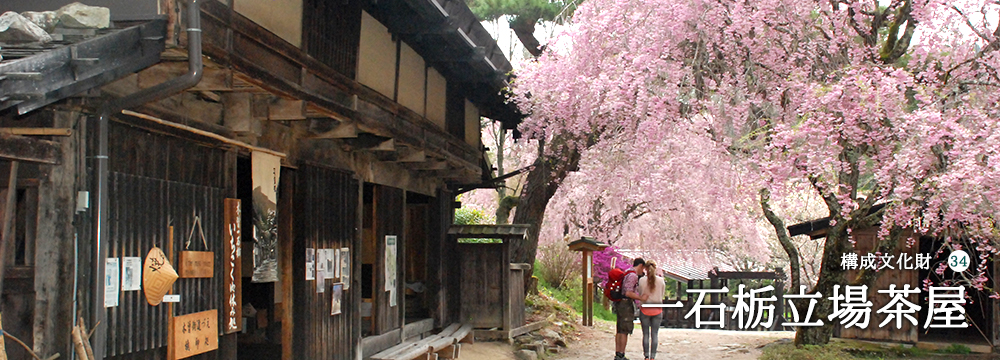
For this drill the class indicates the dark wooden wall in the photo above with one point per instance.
(865, 242)
(516, 301)
(389, 213)
(442, 267)
(333, 33)
(157, 181)
(482, 284)
(326, 202)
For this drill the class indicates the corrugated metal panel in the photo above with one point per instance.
(327, 203)
(158, 181)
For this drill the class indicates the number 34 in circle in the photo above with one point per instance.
(958, 260)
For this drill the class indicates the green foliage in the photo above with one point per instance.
(571, 294)
(469, 216)
(557, 265)
(957, 349)
(531, 9)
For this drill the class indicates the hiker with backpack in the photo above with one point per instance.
(623, 290)
(651, 290)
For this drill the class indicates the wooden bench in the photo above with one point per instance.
(443, 345)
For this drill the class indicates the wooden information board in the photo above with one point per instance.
(195, 334)
(197, 264)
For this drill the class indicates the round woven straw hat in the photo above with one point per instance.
(157, 276)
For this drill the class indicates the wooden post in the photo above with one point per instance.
(587, 304)
(6, 243)
(586, 246)
(171, 352)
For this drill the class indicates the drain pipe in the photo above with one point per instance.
(147, 95)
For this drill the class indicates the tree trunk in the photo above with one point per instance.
(524, 28)
(783, 238)
(540, 186)
(830, 274)
(507, 204)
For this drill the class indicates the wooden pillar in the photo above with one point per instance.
(6, 244)
(588, 290)
(54, 235)
(996, 310)
(286, 236)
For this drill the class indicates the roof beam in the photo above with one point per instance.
(20, 148)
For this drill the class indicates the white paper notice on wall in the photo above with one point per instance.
(390, 262)
(345, 267)
(131, 273)
(111, 282)
(331, 260)
(310, 264)
(172, 298)
(321, 264)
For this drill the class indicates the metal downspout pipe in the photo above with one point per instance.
(155, 93)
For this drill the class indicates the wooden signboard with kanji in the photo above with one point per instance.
(195, 334)
(197, 264)
(232, 274)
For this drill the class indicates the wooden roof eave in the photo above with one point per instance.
(290, 72)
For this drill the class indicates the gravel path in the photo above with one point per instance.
(598, 343)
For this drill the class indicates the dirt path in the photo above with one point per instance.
(598, 343)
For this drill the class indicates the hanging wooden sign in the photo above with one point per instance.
(197, 264)
(195, 334)
(232, 275)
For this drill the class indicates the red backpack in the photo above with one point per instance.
(613, 288)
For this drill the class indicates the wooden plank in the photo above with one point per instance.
(196, 264)
(212, 78)
(430, 165)
(237, 115)
(232, 303)
(285, 109)
(521, 266)
(413, 157)
(37, 131)
(441, 343)
(286, 209)
(490, 335)
(6, 236)
(464, 334)
(14, 147)
(451, 329)
(388, 145)
(528, 328)
(433, 343)
(449, 352)
(377, 343)
(344, 130)
(195, 333)
(417, 328)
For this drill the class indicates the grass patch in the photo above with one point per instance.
(572, 295)
(957, 349)
(835, 350)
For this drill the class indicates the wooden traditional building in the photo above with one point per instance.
(297, 170)
(983, 332)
